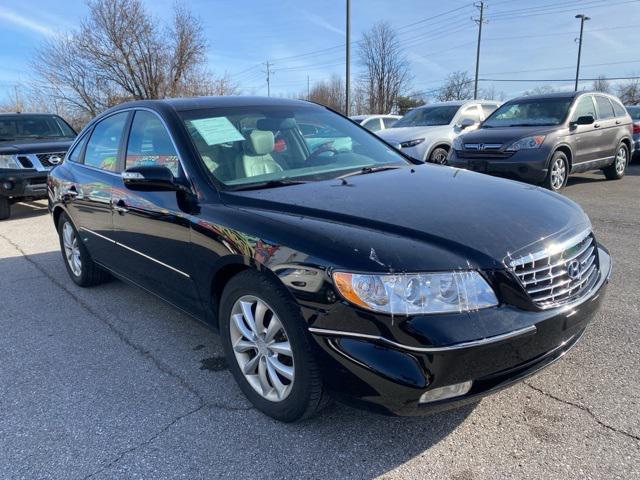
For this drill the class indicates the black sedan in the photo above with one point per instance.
(334, 267)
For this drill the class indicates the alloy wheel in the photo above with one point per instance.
(439, 156)
(558, 173)
(71, 249)
(621, 160)
(261, 348)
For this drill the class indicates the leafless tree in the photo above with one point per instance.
(490, 93)
(629, 92)
(601, 84)
(120, 52)
(541, 90)
(386, 72)
(330, 93)
(458, 86)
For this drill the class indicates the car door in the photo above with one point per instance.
(90, 194)
(585, 138)
(607, 127)
(152, 228)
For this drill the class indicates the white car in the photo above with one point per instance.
(426, 133)
(376, 123)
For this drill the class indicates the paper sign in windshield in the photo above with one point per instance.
(217, 130)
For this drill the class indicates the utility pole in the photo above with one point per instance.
(479, 21)
(583, 18)
(269, 73)
(348, 60)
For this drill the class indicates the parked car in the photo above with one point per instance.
(425, 133)
(634, 112)
(541, 139)
(376, 123)
(318, 282)
(30, 146)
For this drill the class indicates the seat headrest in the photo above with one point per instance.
(262, 142)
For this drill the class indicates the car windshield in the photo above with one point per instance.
(273, 145)
(428, 116)
(20, 126)
(525, 113)
(634, 112)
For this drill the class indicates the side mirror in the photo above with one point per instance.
(150, 178)
(585, 120)
(466, 123)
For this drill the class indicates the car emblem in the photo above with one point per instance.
(481, 146)
(574, 269)
(55, 160)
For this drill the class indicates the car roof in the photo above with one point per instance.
(195, 103)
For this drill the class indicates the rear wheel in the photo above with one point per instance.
(558, 172)
(268, 348)
(616, 170)
(5, 208)
(81, 268)
(439, 155)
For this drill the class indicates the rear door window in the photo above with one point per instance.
(372, 124)
(605, 109)
(389, 121)
(583, 108)
(103, 146)
(471, 112)
(619, 110)
(150, 143)
(76, 154)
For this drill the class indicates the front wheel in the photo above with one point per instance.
(268, 348)
(558, 172)
(616, 170)
(81, 268)
(5, 208)
(439, 156)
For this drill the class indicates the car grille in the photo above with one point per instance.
(556, 278)
(44, 158)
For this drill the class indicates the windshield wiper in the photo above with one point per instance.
(366, 170)
(531, 124)
(269, 184)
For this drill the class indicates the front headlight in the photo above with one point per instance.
(526, 143)
(7, 161)
(411, 143)
(457, 143)
(420, 293)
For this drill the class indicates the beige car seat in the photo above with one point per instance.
(257, 159)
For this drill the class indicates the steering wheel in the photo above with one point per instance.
(324, 148)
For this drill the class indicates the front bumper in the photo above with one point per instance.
(526, 165)
(23, 183)
(388, 375)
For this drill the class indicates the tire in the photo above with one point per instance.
(558, 172)
(81, 268)
(302, 396)
(5, 208)
(617, 169)
(439, 156)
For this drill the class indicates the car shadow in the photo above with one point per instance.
(28, 210)
(340, 442)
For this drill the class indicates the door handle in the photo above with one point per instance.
(618, 122)
(596, 125)
(120, 206)
(69, 192)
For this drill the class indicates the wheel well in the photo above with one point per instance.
(446, 146)
(56, 216)
(220, 280)
(567, 151)
(627, 142)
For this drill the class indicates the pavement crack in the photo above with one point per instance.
(139, 349)
(146, 442)
(584, 409)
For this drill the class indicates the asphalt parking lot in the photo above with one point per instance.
(110, 382)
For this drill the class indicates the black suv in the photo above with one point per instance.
(542, 139)
(30, 146)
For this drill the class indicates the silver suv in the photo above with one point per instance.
(426, 133)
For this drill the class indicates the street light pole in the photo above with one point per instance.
(480, 6)
(583, 18)
(348, 60)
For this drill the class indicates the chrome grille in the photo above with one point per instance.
(552, 278)
(44, 158)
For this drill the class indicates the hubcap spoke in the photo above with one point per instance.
(262, 348)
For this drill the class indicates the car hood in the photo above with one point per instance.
(35, 146)
(469, 218)
(403, 134)
(504, 135)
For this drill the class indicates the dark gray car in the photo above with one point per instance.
(541, 139)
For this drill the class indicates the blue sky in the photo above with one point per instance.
(523, 39)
